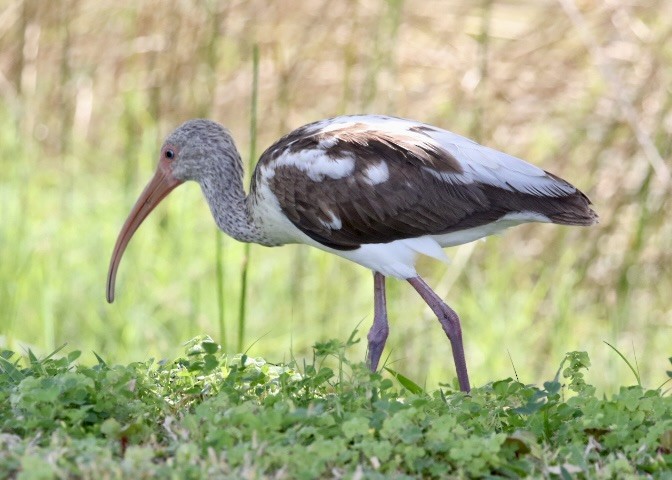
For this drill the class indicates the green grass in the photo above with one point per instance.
(209, 415)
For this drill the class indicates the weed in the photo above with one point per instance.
(206, 413)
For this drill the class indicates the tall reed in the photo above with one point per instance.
(242, 309)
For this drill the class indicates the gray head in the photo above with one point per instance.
(197, 147)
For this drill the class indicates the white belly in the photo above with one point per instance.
(397, 258)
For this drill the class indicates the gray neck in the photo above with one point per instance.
(222, 186)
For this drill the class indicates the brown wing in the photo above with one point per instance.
(384, 186)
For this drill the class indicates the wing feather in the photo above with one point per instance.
(436, 182)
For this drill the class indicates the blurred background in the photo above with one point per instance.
(88, 90)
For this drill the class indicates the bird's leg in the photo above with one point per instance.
(379, 330)
(451, 325)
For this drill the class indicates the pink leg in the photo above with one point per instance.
(379, 330)
(451, 325)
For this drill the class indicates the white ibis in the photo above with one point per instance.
(373, 189)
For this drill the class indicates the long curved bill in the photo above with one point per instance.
(156, 190)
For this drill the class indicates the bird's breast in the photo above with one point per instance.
(270, 219)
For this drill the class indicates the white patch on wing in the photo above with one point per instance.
(334, 222)
(377, 173)
(328, 142)
(479, 163)
(267, 172)
(316, 164)
(486, 165)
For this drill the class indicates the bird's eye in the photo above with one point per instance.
(170, 154)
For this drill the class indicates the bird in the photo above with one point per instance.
(376, 190)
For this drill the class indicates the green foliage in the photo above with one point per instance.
(206, 414)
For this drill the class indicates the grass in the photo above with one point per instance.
(206, 414)
(88, 92)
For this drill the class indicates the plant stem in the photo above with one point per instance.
(219, 251)
(242, 310)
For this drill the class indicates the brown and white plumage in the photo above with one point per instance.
(373, 189)
(352, 182)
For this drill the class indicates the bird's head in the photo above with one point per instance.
(187, 154)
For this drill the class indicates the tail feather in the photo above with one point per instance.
(572, 209)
